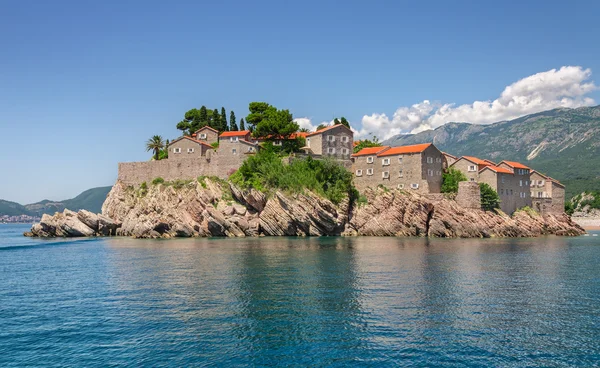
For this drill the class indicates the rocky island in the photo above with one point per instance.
(214, 207)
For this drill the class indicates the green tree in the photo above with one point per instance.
(342, 121)
(242, 124)
(450, 180)
(489, 198)
(304, 130)
(224, 125)
(232, 121)
(203, 115)
(257, 113)
(275, 124)
(321, 126)
(155, 144)
(367, 143)
(216, 120)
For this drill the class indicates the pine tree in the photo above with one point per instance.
(242, 125)
(232, 121)
(216, 120)
(224, 125)
(203, 116)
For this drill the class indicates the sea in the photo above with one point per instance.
(305, 302)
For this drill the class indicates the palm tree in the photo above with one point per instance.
(155, 144)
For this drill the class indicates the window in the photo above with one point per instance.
(414, 186)
(502, 178)
(430, 172)
(277, 143)
(472, 168)
(511, 192)
(345, 139)
(438, 160)
(400, 186)
(540, 194)
(370, 159)
(438, 173)
(190, 150)
(234, 151)
(400, 159)
(429, 160)
(400, 173)
(202, 135)
(520, 183)
(540, 182)
(331, 138)
(385, 174)
(233, 139)
(502, 191)
(526, 183)
(369, 171)
(331, 150)
(472, 179)
(307, 142)
(358, 172)
(176, 150)
(345, 151)
(250, 149)
(385, 162)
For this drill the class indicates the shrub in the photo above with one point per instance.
(158, 180)
(215, 145)
(201, 181)
(450, 180)
(489, 197)
(178, 184)
(265, 171)
(143, 189)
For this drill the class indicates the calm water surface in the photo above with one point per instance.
(299, 302)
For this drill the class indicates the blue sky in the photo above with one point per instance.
(84, 84)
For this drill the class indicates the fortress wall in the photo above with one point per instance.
(134, 173)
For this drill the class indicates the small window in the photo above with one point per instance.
(345, 139)
(472, 168)
(400, 173)
(526, 183)
(203, 135)
(540, 182)
(438, 173)
(331, 150)
(234, 151)
(277, 143)
(331, 138)
(400, 159)
(250, 149)
(176, 150)
(385, 162)
(369, 171)
(502, 178)
(414, 186)
(190, 150)
(400, 186)
(359, 172)
(520, 183)
(511, 192)
(472, 179)
(233, 139)
(502, 191)
(345, 151)
(429, 160)
(370, 159)
(307, 142)
(438, 160)
(385, 174)
(430, 172)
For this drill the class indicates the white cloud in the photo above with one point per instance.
(307, 123)
(565, 87)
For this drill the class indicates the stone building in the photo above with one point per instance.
(206, 134)
(547, 194)
(470, 166)
(234, 148)
(418, 167)
(336, 141)
(522, 179)
(186, 147)
(504, 183)
(450, 159)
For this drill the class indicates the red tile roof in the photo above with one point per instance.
(235, 133)
(514, 164)
(476, 160)
(415, 148)
(497, 169)
(326, 129)
(370, 151)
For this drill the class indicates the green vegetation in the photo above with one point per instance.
(242, 124)
(155, 144)
(589, 200)
(195, 119)
(362, 201)
(489, 198)
(269, 122)
(232, 122)
(202, 181)
(143, 190)
(341, 120)
(450, 180)
(365, 143)
(530, 211)
(157, 181)
(266, 171)
(215, 145)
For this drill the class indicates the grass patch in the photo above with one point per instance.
(158, 180)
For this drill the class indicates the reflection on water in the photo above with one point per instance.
(305, 302)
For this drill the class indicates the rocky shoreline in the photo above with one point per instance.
(211, 207)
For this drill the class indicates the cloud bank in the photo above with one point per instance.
(564, 87)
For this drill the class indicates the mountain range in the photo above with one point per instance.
(90, 200)
(562, 143)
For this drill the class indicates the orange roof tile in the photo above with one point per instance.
(476, 160)
(370, 151)
(235, 133)
(326, 129)
(515, 165)
(497, 169)
(415, 148)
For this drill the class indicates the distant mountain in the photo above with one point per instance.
(90, 200)
(562, 143)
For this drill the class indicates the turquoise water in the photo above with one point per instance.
(332, 302)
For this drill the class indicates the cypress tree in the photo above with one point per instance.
(242, 125)
(203, 116)
(232, 121)
(216, 121)
(224, 125)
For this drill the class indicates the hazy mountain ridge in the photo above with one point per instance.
(562, 143)
(91, 200)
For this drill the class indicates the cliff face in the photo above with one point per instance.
(216, 208)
